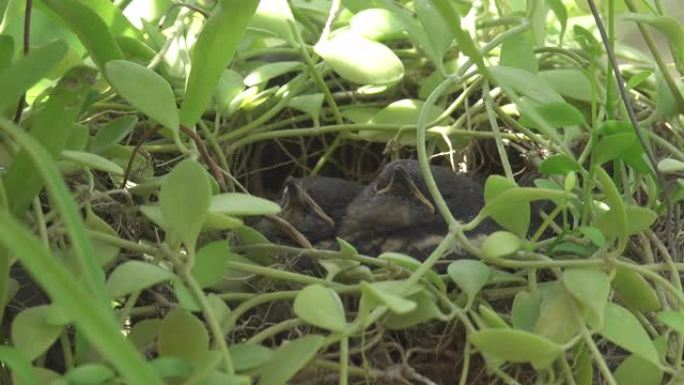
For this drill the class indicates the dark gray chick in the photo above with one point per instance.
(312, 205)
(396, 212)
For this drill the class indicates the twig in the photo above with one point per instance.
(211, 162)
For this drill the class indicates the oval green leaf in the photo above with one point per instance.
(623, 329)
(145, 90)
(134, 276)
(184, 200)
(360, 60)
(322, 307)
(289, 359)
(517, 346)
(242, 204)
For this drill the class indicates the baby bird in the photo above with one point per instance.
(314, 206)
(396, 212)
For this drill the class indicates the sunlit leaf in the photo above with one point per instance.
(516, 346)
(470, 276)
(113, 132)
(623, 329)
(590, 287)
(133, 276)
(320, 306)
(360, 60)
(18, 77)
(500, 244)
(184, 200)
(289, 359)
(183, 336)
(92, 31)
(242, 204)
(377, 24)
(93, 161)
(145, 90)
(634, 291)
(211, 263)
(211, 54)
(32, 331)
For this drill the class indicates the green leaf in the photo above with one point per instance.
(310, 104)
(559, 318)
(615, 220)
(558, 164)
(22, 371)
(183, 336)
(670, 166)
(184, 200)
(673, 319)
(211, 263)
(557, 115)
(590, 286)
(32, 331)
(6, 51)
(570, 83)
(105, 252)
(514, 216)
(275, 16)
(635, 370)
(437, 38)
(613, 146)
(377, 24)
(113, 17)
(289, 358)
(518, 52)
(639, 219)
(400, 112)
(134, 276)
(623, 329)
(211, 54)
(239, 204)
(134, 49)
(186, 299)
(21, 75)
(426, 309)
(93, 161)
(668, 26)
(491, 318)
(113, 132)
(516, 346)
(561, 13)
(526, 84)
(500, 244)
(526, 310)
(470, 276)
(268, 71)
(146, 91)
(594, 235)
(91, 30)
(51, 127)
(382, 293)
(249, 356)
(360, 60)
(584, 371)
(230, 85)
(634, 291)
(87, 374)
(322, 307)
(413, 264)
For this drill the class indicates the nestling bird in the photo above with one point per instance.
(396, 212)
(312, 205)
